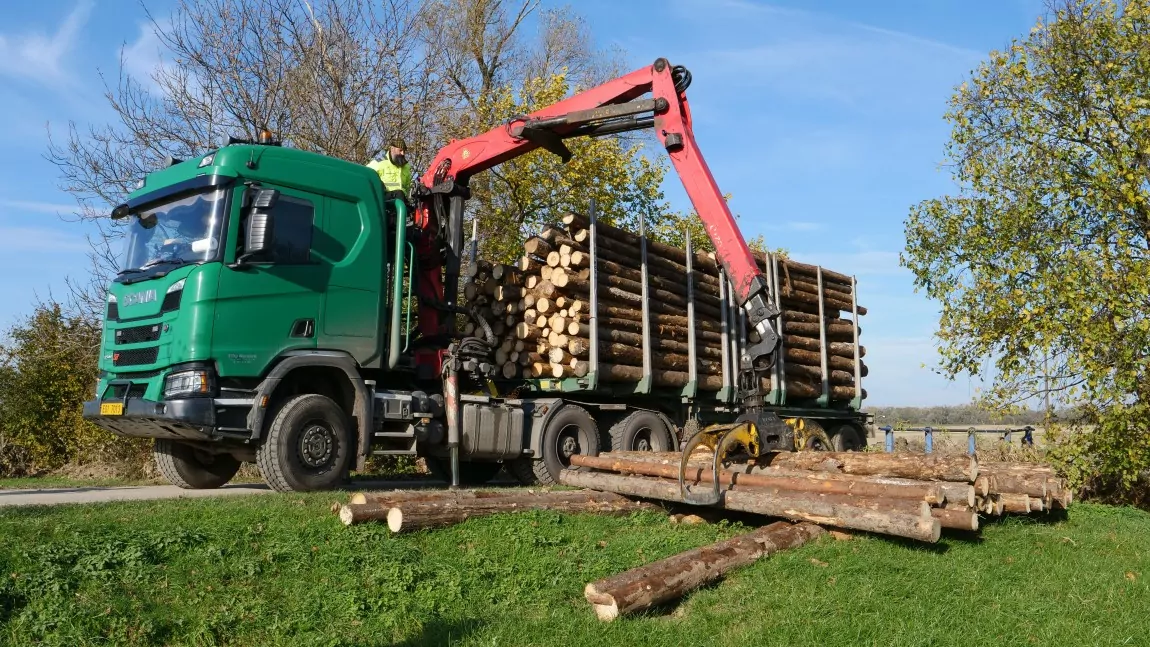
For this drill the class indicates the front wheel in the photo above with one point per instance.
(193, 469)
(308, 445)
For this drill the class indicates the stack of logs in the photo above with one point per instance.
(539, 311)
(906, 495)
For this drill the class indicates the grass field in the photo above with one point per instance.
(280, 570)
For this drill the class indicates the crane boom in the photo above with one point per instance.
(613, 107)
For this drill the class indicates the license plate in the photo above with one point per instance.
(111, 408)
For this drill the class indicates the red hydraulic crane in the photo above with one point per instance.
(612, 107)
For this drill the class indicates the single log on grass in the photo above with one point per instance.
(433, 512)
(391, 497)
(410, 517)
(796, 508)
(669, 579)
(812, 482)
(926, 467)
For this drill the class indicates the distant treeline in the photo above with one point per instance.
(963, 414)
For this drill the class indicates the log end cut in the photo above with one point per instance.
(346, 516)
(606, 609)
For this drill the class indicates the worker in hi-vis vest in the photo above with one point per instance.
(394, 169)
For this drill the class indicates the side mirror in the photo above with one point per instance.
(260, 236)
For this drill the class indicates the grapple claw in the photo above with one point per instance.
(719, 439)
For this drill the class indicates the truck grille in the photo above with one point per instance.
(138, 334)
(116, 392)
(135, 356)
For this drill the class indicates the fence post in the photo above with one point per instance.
(929, 433)
(888, 445)
(970, 444)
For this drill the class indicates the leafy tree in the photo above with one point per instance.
(47, 370)
(1040, 258)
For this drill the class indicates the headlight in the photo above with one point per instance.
(198, 383)
(177, 286)
(208, 159)
(113, 307)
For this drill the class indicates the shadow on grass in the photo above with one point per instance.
(441, 632)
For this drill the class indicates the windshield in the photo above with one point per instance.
(182, 231)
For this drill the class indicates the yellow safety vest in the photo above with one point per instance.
(394, 178)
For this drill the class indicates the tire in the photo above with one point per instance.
(571, 431)
(847, 438)
(308, 446)
(523, 470)
(470, 472)
(641, 431)
(186, 467)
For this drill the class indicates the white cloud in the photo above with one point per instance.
(16, 240)
(39, 207)
(41, 57)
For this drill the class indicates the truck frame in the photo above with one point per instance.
(277, 338)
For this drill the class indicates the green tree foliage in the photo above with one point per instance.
(47, 370)
(1041, 258)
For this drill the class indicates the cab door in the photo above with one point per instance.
(272, 304)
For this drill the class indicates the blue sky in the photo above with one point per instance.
(822, 118)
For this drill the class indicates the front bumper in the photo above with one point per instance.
(190, 419)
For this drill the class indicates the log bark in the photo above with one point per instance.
(669, 579)
(654, 247)
(839, 348)
(1032, 485)
(796, 508)
(392, 497)
(628, 352)
(610, 330)
(963, 469)
(807, 390)
(960, 493)
(800, 356)
(836, 331)
(661, 377)
(811, 372)
(422, 515)
(811, 482)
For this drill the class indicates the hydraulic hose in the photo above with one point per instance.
(397, 273)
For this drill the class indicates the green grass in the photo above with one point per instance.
(280, 570)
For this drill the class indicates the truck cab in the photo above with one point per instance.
(247, 273)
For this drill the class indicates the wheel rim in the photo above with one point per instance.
(567, 444)
(317, 445)
(642, 440)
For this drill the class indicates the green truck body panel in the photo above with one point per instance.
(242, 318)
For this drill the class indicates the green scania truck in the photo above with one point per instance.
(257, 317)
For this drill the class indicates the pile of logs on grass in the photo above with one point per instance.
(905, 495)
(540, 313)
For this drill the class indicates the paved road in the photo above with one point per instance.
(57, 496)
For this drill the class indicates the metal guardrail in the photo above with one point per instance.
(928, 433)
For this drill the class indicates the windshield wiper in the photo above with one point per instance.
(129, 271)
(177, 261)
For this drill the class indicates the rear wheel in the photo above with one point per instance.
(308, 445)
(571, 431)
(193, 469)
(641, 431)
(847, 438)
(470, 473)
